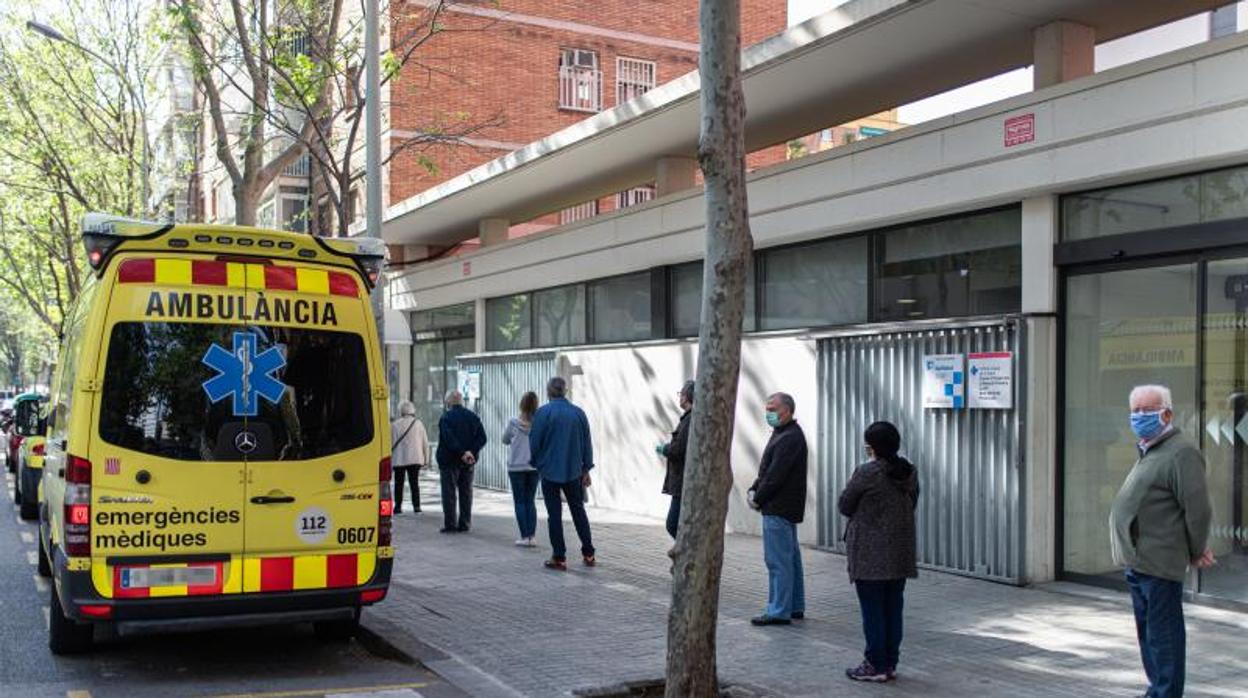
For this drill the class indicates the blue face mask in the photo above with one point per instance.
(1147, 425)
(773, 419)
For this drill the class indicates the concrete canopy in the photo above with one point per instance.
(864, 57)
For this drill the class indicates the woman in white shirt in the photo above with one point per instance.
(409, 452)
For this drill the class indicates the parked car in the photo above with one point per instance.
(28, 429)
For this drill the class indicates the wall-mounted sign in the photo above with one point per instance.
(990, 380)
(944, 381)
(470, 385)
(1020, 130)
(871, 131)
(466, 269)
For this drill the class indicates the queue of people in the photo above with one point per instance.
(1159, 520)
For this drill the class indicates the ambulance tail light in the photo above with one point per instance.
(78, 507)
(99, 247)
(372, 595)
(96, 610)
(385, 502)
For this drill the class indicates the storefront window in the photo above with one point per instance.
(448, 316)
(686, 300)
(559, 314)
(824, 283)
(509, 324)
(1201, 198)
(621, 308)
(971, 265)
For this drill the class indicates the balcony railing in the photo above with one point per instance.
(299, 168)
(580, 89)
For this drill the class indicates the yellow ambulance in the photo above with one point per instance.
(218, 449)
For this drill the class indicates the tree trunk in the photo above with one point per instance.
(245, 201)
(699, 549)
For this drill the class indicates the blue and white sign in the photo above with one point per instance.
(243, 375)
(944, 381)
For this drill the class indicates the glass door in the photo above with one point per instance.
(1225, 432)
(1180, 325)
(1123, 328)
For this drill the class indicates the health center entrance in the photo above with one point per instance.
(1145, 308)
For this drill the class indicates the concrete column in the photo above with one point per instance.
(1040, 226)
(673, 174)
(1040, 231)
(481, 327)
(1063, 51)
(492, 231)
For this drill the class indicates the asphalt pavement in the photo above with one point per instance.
(273, 662)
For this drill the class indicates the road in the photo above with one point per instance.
(277, 662)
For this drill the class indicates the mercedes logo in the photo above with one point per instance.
(245, 442)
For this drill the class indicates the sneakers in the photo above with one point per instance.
(589, 560)
(530, 542)
(557, 565)
(866, 672)
(770, 620)
(522, 542)
(798, 615)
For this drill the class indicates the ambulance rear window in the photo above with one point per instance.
(188, 390)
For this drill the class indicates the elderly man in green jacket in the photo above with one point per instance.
(1159, 524)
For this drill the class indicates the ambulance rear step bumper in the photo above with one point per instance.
(244, 620)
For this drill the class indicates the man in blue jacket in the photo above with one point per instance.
(563, 455)
(460, 440)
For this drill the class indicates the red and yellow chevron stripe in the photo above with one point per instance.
(254, 575)
(207, 272)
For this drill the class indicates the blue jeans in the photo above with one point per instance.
(786, 588)
(881, 604)
(524, 494)
(673, 516)
(575, 493)
(1159, 626)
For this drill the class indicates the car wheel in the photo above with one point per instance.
(28, 508)
(45, 565)
(65, 636)
(337, 630)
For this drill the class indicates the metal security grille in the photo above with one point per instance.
(504, 379)
(970, 460)
(633, 78)
(580, 80)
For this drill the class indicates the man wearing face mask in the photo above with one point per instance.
(1159, 524)
(780, 494)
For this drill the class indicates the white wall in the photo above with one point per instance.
(629, 476)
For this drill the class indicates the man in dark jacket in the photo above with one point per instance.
(780, 494)
(562, 452)
(460, 440)
(673, 453)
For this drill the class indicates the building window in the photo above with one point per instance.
(634, 196)
(970, 265)
(1199, 198)
(824, 283)
(559, 316)
(266, 215)
(510, 323)
(633, 78)
(447, 316)
(580, 212)
(580, 80)
(685, 292)
(621, 308)
(294, 214)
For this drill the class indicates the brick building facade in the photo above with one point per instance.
(508, 73)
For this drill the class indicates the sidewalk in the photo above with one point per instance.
(523, 630)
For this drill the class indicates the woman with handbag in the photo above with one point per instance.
(408, 453)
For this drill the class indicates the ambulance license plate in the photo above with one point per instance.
(146, 577)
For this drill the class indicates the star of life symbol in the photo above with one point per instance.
(243, 375)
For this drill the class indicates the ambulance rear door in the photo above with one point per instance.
(316, 432)
(167, 477)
